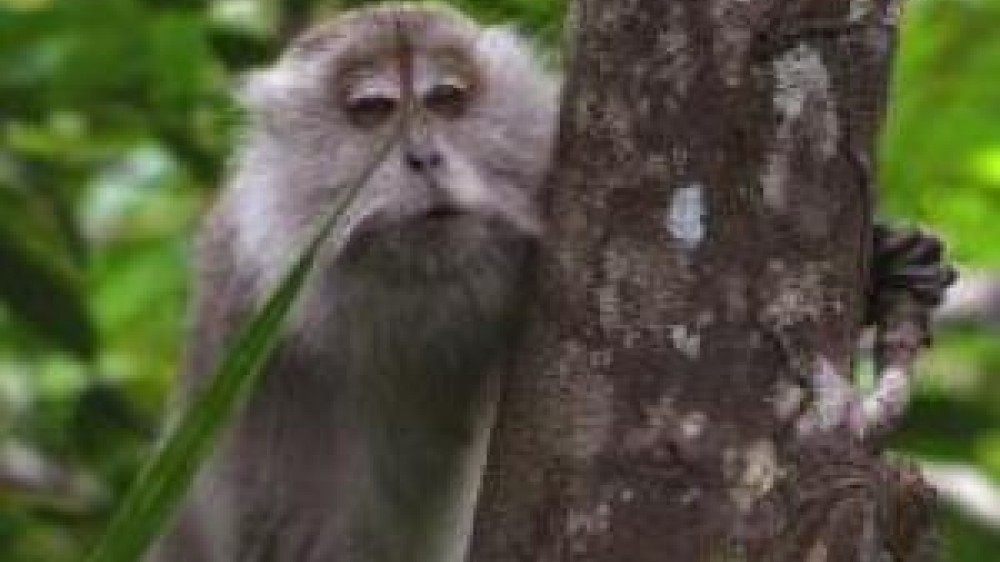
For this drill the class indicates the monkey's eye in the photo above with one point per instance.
(371, 111)
(448, 99)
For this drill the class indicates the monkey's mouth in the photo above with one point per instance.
(430, 225)
(444, 212)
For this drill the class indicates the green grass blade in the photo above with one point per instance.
(164, 480)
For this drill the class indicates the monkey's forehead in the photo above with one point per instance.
(379, 30)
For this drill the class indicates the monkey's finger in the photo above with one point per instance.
(901, 248)
(926, 284)
(884, 409)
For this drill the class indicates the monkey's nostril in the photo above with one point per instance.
(422, 161)
(444, 212)
(414, 162)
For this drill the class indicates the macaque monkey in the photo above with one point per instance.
(366, 439)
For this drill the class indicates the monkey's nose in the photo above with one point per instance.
(423, 160)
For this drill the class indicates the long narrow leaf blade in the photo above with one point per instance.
(164, 480)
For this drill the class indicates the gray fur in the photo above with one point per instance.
(366, 440)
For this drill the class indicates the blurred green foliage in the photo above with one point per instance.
(115, 124)
(942, 152)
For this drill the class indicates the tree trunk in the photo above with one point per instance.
(708, 255)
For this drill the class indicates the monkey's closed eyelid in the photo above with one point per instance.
(450, 99)
(371, 111)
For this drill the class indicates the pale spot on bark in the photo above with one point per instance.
(788, 400)
(806, 113)
(800, 73)
(685, 341)
(616, 264)
(834, 400)
(693, 425)
(672, 40)
(686, 217)
(618, 119)
(753, 472)
(705, 319)
(798, 294)
(661, 420)
(581, 524)
(818, 553)
(691, 496)
(656, 167)
(774, 179)
(859, 9)
(608, 308)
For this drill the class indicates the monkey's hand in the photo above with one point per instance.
(907, 263)
(909, 279)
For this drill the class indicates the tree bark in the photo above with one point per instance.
(708, 254)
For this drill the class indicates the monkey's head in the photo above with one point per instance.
(470, 113)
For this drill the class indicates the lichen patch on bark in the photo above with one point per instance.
(807, 116)
(687, 215)
(693, 425)
(686, 341)
(661, 423)
(834, 400)
(752, 472)
(582, 524)
(818, 553)
(797, 294)
(788, 400)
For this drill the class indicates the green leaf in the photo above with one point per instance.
(162, 483)
(45, 294)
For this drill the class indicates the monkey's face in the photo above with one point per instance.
(436, 205)
(469, 116)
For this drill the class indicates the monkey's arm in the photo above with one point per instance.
(909, 280)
